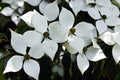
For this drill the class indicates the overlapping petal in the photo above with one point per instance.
(101, 26)
(53, 46)
(95, 54)
(39, 22)
(58, 32)
(104, 2)
(94, 13)
(112, 21)
(83, 29)
(76, 43)
(38, 50)
(32, 38)
(27, 18)
(108, 38)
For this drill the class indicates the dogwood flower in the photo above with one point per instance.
(112, 38)
(76, 38)
(41, 26)
(93, 53)
(20, 43)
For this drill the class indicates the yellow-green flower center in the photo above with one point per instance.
(104, 17)
(27, 56)
(72, 30)
(46, 34)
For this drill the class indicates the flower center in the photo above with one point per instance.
(84, 49)
(46, 34)
(72, 30)
(104, 17)
(92, 4)
(27, 56)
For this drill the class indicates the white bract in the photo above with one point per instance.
(76, 38)
(20, 43)
(39, 22)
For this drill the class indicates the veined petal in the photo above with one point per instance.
(76, 42)
(93, 38)
(66, 18)
(7, 11)
(32, 68)
(39, 22)
(106, 11)
(108, 38)
(104, 3)
(94, 13)
(115, 53)
(42, 6)
(18, 43)
(83, 29)
(112, 21)
(53, 46)
(101, 26)
(95, 54)
(82, 63)
(14, 64)
(51, 11)
(27, 17)
(70, 49)
(32, 38)
(114, 10)
(116, 37)
(57, 32)
(33, 3)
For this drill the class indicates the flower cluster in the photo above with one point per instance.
(56, 25)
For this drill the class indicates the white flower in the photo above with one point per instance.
(39, 22)
(92, 53)
(76, 38)
(113, 38)
(20, 43)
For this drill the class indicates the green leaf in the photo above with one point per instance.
(116, 3)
